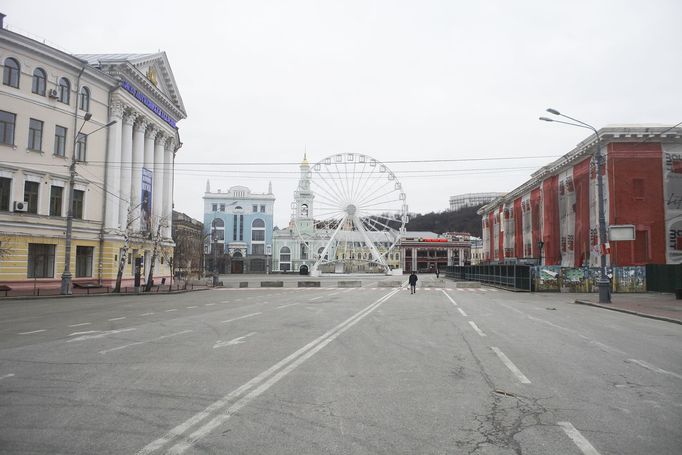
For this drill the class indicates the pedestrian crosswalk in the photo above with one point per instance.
(427, 289)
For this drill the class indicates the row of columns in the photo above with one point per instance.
(134, 143)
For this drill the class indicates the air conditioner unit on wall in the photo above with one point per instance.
(53, 93)
(20, 206)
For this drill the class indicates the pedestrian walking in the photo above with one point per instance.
(413, 283)
(437, 272)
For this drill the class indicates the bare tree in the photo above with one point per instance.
(162, 222)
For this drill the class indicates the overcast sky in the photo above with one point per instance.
(262, 81)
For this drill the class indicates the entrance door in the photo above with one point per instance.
(237, 266)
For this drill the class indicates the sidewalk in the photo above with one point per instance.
(650, 305)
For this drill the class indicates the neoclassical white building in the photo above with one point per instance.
(56, 112)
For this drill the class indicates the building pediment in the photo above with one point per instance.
(150, 72)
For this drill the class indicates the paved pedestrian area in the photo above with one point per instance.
(654, 305)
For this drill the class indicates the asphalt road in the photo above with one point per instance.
(343, 371)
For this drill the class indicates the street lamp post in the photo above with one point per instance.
(66, 274)
(604, 284)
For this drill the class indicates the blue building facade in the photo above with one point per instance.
(238, 229)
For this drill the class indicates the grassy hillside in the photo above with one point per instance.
(463, 220)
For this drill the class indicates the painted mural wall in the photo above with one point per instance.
(672, 178)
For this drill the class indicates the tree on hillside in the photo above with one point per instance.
(462, 220)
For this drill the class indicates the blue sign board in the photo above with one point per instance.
(149, 103)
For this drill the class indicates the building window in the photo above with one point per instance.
(81, 146)
(5, 190)
(84, 260)
(218, 230)
(40, 260)
(7, 123)
(258, 249)
(64, 90)
(31, 190)
(222, 207)
(241, 228)
(234, 228)
(10, 74)
(285, 259)
(85, 99)
(215, 207)
(304, 251)
(39, 80)
(262, 209)
(60, 140)
(78, 198)
(254, 208)
(35, 134)
(258, 235)
(56, 200)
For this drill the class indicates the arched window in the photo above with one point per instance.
(64, 90)
(85, 99)
(285, 259)
(39, 80)
(258, 237)
(218, 230)
(11, 73)
(319, 253)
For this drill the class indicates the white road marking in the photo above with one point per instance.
(6, 376)
(172, 309)
(99, 335)
(142, 342)
(211, 304)
(193, 306)
(461, 311)
(475, 327)
(84, 333)
(288, 304)
(240, 340)
(146, 314)
(242, 317)
(579, 440)
(117, 319)
(450, 298)
(270, 376)
(35, 331)
(224, 301)
(78, 325)
(511, 366)
(653, 368)
(315, 298)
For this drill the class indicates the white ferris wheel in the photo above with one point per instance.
(360, 211)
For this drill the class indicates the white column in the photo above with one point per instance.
(113, 167)
(158, 189)
(149, 135)
(126, 170)
(138, 161)
(168, 187)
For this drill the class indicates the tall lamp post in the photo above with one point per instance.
(66, 274)
(604, 284)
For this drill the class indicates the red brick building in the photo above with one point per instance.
(553, 217)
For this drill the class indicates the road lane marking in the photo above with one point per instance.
(146, 314)
(211, 304)
(143, 342)
(193, 306)
(35, 331)
(315, 298)
(461, 311)
(6, 376)
(99, 335)
(449, 298)
(172, 309)
(288, 304)
(117, 319)
(83, 333)
(653, 368)
(81, 324)
(511, 366)
(475, 327)
(284, 366)
(579, 440)
(242, 317)
(239, 340)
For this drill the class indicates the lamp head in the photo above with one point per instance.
(87, 116)
(553, 111)
(546, 119)
(110, 123)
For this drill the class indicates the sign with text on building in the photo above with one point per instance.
(146, 198)
(149, 103)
